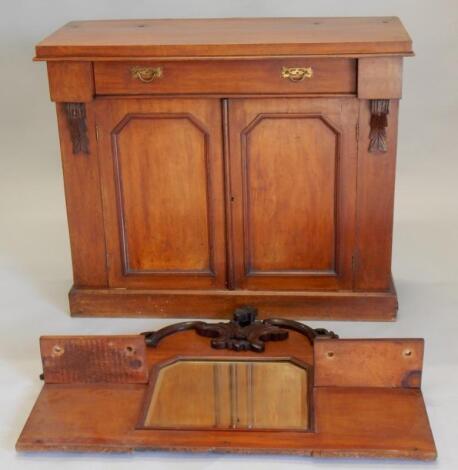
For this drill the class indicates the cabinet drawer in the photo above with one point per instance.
(273, 76)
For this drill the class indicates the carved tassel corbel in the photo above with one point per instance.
(76, 121)
(378, 142)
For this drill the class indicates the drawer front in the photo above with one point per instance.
(273, 76)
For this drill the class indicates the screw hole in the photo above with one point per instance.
(407, 353)
(330, 353)
(57, 350)
(129, 349)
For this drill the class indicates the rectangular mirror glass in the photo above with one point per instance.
(229, 394)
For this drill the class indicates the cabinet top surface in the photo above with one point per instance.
(226, 37)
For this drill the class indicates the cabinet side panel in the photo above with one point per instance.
(84, 205)
(375, 200)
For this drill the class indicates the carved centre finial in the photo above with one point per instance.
(245, 316)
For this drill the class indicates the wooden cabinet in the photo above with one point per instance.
(207, 171)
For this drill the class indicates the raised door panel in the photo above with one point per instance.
(161, 165)
(293, 180)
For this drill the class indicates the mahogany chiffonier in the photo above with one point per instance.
(215, 163)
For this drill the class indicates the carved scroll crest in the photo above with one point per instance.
(243, 333)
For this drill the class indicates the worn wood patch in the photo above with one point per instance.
(368, 363)
(94, 359)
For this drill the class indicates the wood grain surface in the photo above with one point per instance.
(396, 427)
(293, 181)
(94, 359)
(84, 206)
(375, 204)
(163, 194)
(226, 37)
(358, 407)
(368, 363)
(304, 305)
(227, 77)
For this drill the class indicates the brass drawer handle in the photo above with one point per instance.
(146, 74)
(296, 74)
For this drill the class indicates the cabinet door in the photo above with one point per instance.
(163, 195)
(293, 184)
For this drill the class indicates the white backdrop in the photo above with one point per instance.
(35, 267)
